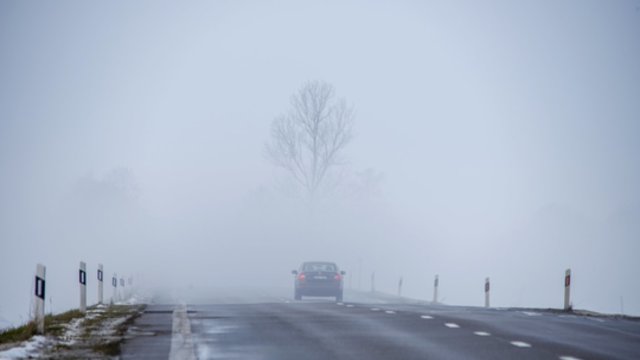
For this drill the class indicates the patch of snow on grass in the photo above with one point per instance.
(72, 332)
(25, 350)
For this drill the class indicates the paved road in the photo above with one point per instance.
(373, 328)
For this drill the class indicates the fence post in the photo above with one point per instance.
(435, 290)
(567, 290)
(487, 288)
(100, 283)
(39, 294)
(82, 279)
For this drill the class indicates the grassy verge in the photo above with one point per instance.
(123, 315)
(54, 325)
(17, 334)
(99, 333)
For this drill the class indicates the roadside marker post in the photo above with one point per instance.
(435, 290)
(567, 290)
(100, 283)
(114, 283)
(400, 286)
(373, 282)
(82, 279)
(39, 295)
(487, 288)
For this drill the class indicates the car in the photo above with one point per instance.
(318, 278)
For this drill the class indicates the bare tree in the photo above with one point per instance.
(309, 140)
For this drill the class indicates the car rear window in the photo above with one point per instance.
(319, 267)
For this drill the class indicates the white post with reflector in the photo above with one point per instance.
(435, 290)
(114, 283)
(487, 288)
(82, 279)
(100, 283)
(39, 294)
(373, 282)
(567, 290)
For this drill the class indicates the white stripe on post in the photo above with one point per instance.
(100, 283)
(82, 279)
(487, 288)
(39, 295)
(567, 290)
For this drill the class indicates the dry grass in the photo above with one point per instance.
(17, 334)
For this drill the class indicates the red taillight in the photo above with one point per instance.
(301, 277)
(338, 277)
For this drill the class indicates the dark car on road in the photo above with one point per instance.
(318, 278)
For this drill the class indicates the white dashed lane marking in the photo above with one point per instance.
(349, 305)
(375, 309)
(390, 312)
(482, 333)
(565, 357)
(426, 316)
(452, 325)
(520, 344)
(340, 304)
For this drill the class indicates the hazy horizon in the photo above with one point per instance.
(490, 140)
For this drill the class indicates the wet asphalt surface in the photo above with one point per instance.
(378, 328)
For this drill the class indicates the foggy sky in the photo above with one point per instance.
(504, 138)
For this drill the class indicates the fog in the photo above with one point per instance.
(494, 139)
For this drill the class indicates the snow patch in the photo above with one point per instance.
(25, 350)
(72, 332)
(531, 313)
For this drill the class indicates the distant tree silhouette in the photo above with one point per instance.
(308, 141)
